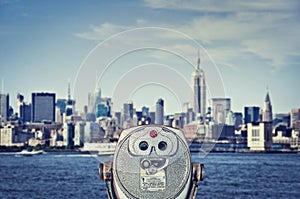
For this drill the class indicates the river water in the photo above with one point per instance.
(228, 175)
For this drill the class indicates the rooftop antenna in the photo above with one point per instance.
(198, 62)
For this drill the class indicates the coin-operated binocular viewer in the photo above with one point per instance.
(152, 161)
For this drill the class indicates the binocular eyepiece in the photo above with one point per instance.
(152, 161)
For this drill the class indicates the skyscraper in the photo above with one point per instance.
(220, 109)
(267, 113)
(159, 113)
(251, 114)
(199, 88)
(70, 103)
(43, 107)
(127, 111)
(4, 106)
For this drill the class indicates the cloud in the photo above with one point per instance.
(102, 32)
(222, 6)
(228, 29)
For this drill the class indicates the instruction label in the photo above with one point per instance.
(155, 182)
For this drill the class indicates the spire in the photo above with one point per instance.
(267, 99)
(198, 61)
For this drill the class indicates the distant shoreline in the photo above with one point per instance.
(77, 151)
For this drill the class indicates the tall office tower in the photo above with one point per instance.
(4, 107)
(70, 103)
(43, 107)
(118, 118)
(25, 112)
(220, 109)
(295, 117)
(97, 96)
(127, 112)
(251, 114)
(267, 113)
(238, 120)
(159, 112)
(20, 102)
(199, 86)
(145, 111)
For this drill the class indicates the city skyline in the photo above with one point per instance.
(253, 44)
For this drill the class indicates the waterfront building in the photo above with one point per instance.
(251, 114)
(220, 109)
(199, 89)
(159, 112)
(295, 117)
(4, 107)
(222, 132)
(259, 136)
(43, 107)
(68, 134)
(283, 118)
(7, 133)
(190, 131)
(79, 134)
(267, 112)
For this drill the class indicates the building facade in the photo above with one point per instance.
(220, 109)
(251, 114)
(4, 107)
(159, 112)
(43, 107)
(259, 136)
(267, 112)
(199, 89)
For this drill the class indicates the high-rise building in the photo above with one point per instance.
(267, 112)
(259, 136)
(20, 102)
(220, 109)
(238, 120)
(295, 117)
(43, 107)
(7, 134)
(103, 107)
(127, 112)
(251, 114)
(70, 104)
(145, 111)
(4, 107)
(159, 113)
(199, 88)
(25, 112)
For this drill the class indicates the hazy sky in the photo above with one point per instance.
(250, 45)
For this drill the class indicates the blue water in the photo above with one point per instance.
(76, 176)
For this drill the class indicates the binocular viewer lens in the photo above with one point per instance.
(162, 145)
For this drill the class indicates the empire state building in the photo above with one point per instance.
(199, 86)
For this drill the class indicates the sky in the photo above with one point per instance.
(145, 50)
